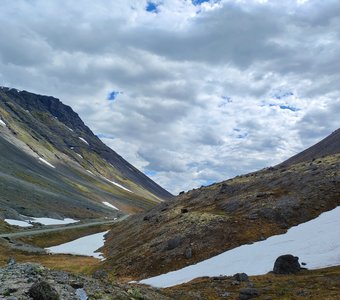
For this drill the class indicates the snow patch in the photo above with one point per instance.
(110, 205)
(83, 140)
(79, 155)
(70, 129)
(50, 221)
(2, 123)
(316, 242)
(17, 223)
(83, 246)
(117, 184)
(46, 162)
(89, 172)
(43, 221)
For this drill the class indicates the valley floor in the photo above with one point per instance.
(319, 284)
(308, 284)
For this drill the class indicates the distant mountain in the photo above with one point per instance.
(51, 164)
(210, 220)
(328, 146)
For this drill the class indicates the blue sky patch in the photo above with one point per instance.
(150, 172)
(279, 95)
(113, 95)
(151, 7)
(209, 182)
(289, 107)
(105, 136)
(198, 2)
(227, 99)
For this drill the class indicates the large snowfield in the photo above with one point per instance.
(43, 221)
(83, 246)
(316, 243)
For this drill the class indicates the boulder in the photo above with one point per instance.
(42, 290)
(188, 253)
(173, 243)
(286, 264)
(241, 277)
(248, 293)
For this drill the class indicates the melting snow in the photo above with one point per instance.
(46, 162)
(83, 140)
(2, 123)
(17, 223)
(316, 242)
(110, 205)
(83, 246)
(50, 221)
(43, 221)
(117, 184)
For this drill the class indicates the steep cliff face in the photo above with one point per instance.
(47, 148)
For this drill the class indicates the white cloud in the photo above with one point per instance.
(198, 83)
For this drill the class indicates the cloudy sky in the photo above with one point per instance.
(190, 92)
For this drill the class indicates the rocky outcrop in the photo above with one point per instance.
(33, 281)
(287, 264)
(42, 290)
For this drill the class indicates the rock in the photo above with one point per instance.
(76, 285)
(228, 189)
(225, 295)
(248, 293)
(241, 277)
(184, 210)
(188, 253)
(11, 261)
(42, 290)
(173, 243)
(286, 264)
(100, 274)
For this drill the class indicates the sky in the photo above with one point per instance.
(190, 92)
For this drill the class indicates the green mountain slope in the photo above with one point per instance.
(52, 164)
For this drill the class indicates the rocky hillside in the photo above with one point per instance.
(328, 146)
(33, 281)
(207, 221)
(51, 164)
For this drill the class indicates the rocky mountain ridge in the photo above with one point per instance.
(53, 165)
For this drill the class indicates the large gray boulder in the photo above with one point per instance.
(287, 264)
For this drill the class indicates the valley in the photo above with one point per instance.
(70, 205)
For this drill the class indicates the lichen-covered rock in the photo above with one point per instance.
(42, 290)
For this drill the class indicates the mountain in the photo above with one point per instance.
(51, 164)
(328, 146)
(210, 220)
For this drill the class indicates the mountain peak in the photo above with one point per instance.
(42, 130)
